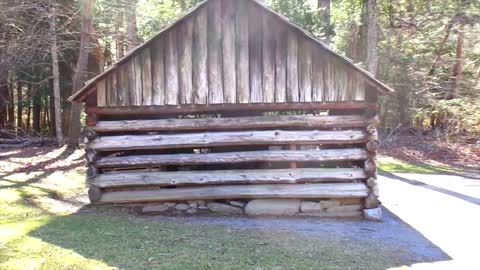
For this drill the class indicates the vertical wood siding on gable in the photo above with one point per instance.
(230, 51)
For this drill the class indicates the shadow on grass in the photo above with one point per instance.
(120, 239)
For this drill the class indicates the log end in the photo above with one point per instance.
(91, 172)
(94, 194)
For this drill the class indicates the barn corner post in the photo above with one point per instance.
(372, 209)
(91, 156)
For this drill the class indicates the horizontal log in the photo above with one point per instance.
(197, 108)
(233, 157)
(269, 121)
(336, 190)
(178, 178)
(209, 139)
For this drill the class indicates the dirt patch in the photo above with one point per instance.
(419, 149)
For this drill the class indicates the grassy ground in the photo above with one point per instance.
(44, 225)
(394, 165)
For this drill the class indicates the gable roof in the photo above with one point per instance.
(382, 88)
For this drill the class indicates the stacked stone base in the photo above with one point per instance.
(351, 207)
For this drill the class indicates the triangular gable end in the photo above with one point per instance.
(258, 57)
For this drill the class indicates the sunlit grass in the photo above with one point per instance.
(36, 233)
(394, 165)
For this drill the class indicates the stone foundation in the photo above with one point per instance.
(263, 207)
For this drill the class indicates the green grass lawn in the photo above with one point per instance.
(394, 165)
(40, 230)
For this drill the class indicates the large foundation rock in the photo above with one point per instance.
(273, 207)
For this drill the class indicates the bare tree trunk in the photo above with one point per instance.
(80, 72)
(324, 13)
(372, 37)
(3, 102)
(352, 43)
(29, 108)
(19, 105)
(119, 37)
(131, 17)
(11, 105)
(457, 75)
(37, 103)
(441, 49)
(56, 78)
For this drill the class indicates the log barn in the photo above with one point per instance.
(234, 109)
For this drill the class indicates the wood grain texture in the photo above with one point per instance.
(335, 190)
(200, 60)
(231, 138)
(185, 38)
(305, 71)
(317, 78)
(222, 177)
(132, 93)
(102, 93)
(233, 157)
(253, 122)
(261, 107)
(268, 54)
(158, 71)
(146, 76)
(292, 67)
(255, 53)
(138, 79)
(122, 86)
(242, 55)
(215, 81)
(228, 55)
(280, 64)
(112, 89)
(171, 69)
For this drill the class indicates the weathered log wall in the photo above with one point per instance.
(275, 156)
(229, 52)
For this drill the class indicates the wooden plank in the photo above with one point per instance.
(215, 81)
(311, 191)
(179, 178)
(112, 89)
(122, 86)
(328, 79)
(264, 107)
(199, 55)
(255, 53)
(132, 93)
(171, 69)
(280, 64)
(228, 46)
(326, 155)
(253, 122)
(158, 71)
(185, 62)
(360, 88)
(102, 93)
(146, 76)
(317, 78)
(241, 48)
(230, 138)
(292, 67)
(138, 79)
(292, 147)
(268, 54)
(305, 71)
